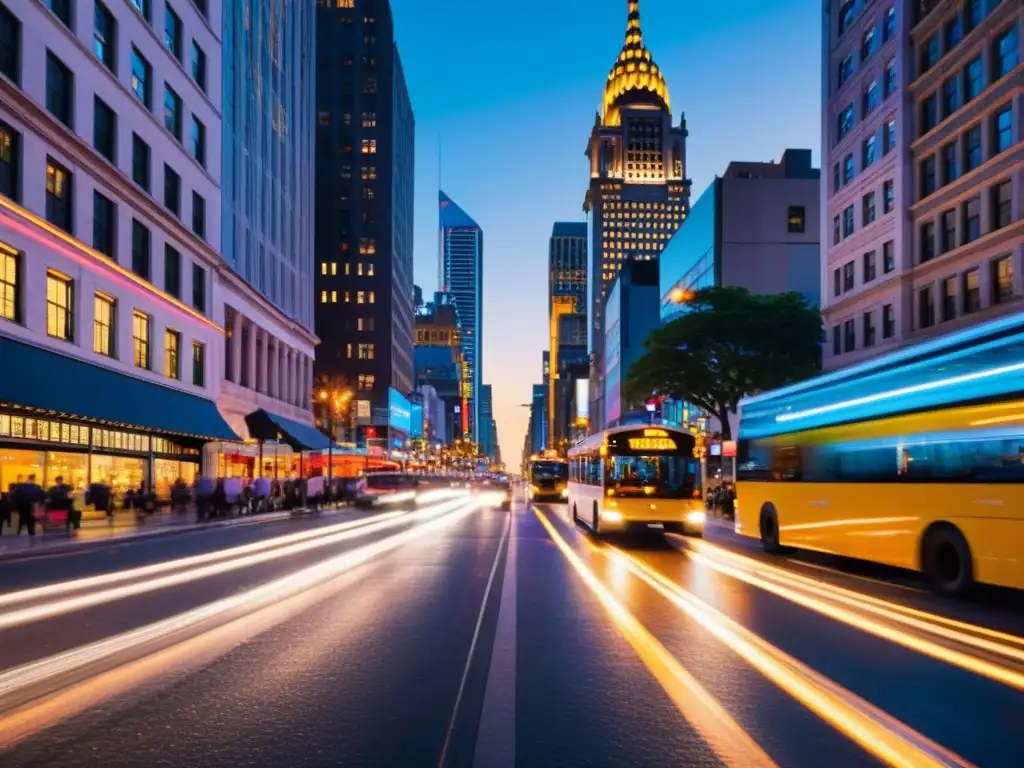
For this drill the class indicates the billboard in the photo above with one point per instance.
(416, 429)
(399, 411)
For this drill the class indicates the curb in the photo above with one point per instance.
(73, 545)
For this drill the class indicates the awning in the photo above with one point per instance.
(264, 425)
(48, 382)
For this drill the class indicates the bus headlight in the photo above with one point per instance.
(695, 518)
(612, 517)
(565, 493)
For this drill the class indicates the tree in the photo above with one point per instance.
(332, 399)
(729, 343)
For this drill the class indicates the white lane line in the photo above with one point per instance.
(844, 574)
(472, 646)
(496, 736)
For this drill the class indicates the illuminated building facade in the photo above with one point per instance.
(921, 142)
(440, 362)
(638, 193)
(462, 274)
(364, 207)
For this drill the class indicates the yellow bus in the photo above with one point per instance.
(914, 459)
(547, 477)
(637, 476)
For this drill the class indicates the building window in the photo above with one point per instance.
(948, 299)
(888, 321)
(172, 271)
(869, 329)
(198, 364)
(172, 353)
(869, 266)
(974, 78)
(60, 292)
(888, 256)
(172, 191)
(140, 339)
(888, 196)
(889, 136)
(1005, 58)
(10, 152)
(868, 43)
(837, 282)
(972, 291)
(143, 7)
(140, 250)
(835, 178)
(845, 122)
(848, 221)
(198, 215)
(1002, 280)
(867, 152)
(928, 176)
(950, 172)
(889, 23)
(1002, 215)
(871, 99)
(848, 172)
(104, 129)
(10, 274)
(1003, 138)
(104, 36)
(925, 307)
(199, 66)
(104, 324)
(61, 9)
(797, 220)
(836, 232)
(837, 340)
(366, 351)
(890, 78)
(58, 196)
(140, 162)
(142, 77)
(104, 225)
(868, 209)
(10, 43)
(199, 288)
(60, 90)
(365, 381)
(197, 141)
(972, 219)
(849, 336)
(948, 230)
(847, 277)
(954, 31)
(927, 241)
(929, 113)
(845, 15)
(973, 153)
(950, 96)
(172, 31)
(172, 112)
(930, 53)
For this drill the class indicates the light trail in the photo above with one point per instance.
(24, 679)
(723, 734)
(863, 621)
(983, 638)
(877, 732)
(58, 607)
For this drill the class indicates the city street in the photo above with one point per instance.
(459, 634)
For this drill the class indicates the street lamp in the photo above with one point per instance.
(334, 401)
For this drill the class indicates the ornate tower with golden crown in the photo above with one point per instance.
(638, 194)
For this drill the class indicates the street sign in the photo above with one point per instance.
(728, 447)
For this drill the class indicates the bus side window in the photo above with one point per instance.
(787, 463)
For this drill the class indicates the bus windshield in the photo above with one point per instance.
(550, 470)
(664, 476)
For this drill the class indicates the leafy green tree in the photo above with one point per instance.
(729, 343)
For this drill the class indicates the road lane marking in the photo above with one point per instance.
(857, 576)
(496, 735)
(713, 723)
(858, 617)
(43, 708)
(874, 730)
(57, 605)
(472, 646)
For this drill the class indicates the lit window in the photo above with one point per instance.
(198, 364)
(323, 267)
(104, 317)
(323, 297)
(59, 306)
(360, 297)
(10, 306)
(334, 267)
(172, 353)
(140, 339)
(372, 297)
(366, 351)
(334, 297)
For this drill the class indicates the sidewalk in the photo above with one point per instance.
(126, 526)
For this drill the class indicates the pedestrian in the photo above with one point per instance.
(59, 499)
(28, 500)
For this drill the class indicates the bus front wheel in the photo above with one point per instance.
(575, 515)
(946, 560)
(595, 522)
(770, 530)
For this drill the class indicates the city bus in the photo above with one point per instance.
(914, 459)
(547, 477)
(637, 477)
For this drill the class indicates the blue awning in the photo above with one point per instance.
(45, 381)
(264, 425)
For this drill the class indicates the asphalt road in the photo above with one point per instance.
(462, 635)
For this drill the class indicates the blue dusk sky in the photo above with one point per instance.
(509, 91)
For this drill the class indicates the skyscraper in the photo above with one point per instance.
(462, 270)
(638, 192)
(567, 309)
(364, 207)
(486, 429)
(921, 136)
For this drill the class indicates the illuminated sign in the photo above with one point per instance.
(729, 448)
(652, 443)
(655, 433)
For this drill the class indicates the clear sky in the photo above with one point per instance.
(509, 91)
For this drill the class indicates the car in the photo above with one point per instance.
(385, 489)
